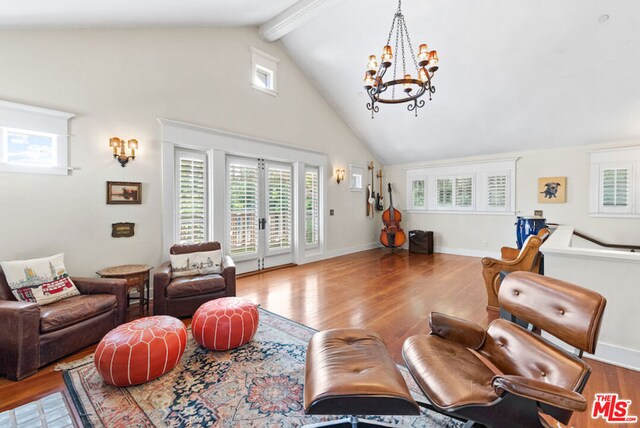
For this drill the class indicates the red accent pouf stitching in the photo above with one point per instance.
(141, 350)
(225, 323)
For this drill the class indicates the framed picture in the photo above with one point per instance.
(552, 190)
(356, 178)
(121, 192)
(122, 230)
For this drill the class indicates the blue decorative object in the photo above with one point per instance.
(526, 226)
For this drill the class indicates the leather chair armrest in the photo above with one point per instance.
(540, 391)
(229, 274)
(115, 286)
(508, 253)
(19, 339)
(99, 285)
(458, 330)
(161, 280)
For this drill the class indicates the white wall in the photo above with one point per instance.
(465, 233)
(118, 82)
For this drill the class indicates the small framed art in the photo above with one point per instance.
(552, 190)
(121, 192)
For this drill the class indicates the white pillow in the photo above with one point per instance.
(200, 263)
(42, 281)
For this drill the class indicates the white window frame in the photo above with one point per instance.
(617, 158)
(315, 169)
(202, 156)
(478, 172)
(35, 121)
(265, 63)
(356, 171)
(410, 201)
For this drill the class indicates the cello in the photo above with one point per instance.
(392, 235)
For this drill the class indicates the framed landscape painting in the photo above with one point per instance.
(552, 190)
(121, 192)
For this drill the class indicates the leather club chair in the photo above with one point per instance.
(507, 372)
(181, 297)
(512, 260)
(33, 336)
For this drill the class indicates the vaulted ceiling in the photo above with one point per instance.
(514, 75)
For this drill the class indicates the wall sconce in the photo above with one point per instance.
(120, 151)
(339, 175)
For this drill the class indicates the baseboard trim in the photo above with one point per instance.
(340, 252)
(466, 252)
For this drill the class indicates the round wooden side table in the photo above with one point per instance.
(137, 277)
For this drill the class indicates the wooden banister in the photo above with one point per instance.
(632, 248)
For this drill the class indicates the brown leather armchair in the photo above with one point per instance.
(513, 260)
(181, 297)
(507, 372)
(33, 336)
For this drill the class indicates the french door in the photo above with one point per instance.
(259, 213)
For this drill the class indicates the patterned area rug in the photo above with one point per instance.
(257, 385)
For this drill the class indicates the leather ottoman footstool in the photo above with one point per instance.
(350, 372)
(225, 323)
(140, 350)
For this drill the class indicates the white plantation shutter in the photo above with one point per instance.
(615, 187)
(417, 193)
(464, 192)
(312, 205)
(242, 182)
(192, 213)
(444, 191)
(279, 215)
(497, 191)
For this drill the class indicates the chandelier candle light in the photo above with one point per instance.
(426, 64)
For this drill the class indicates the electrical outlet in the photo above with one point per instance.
(538, 213)
(485, 243)
(330, 212)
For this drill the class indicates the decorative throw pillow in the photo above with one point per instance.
(41, 281)
(199, 263)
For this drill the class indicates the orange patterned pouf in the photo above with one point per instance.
(141, 350)
(225, 323)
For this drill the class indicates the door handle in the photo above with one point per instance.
(263, 223)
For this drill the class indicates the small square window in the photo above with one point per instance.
(264, 69)
(264, 77)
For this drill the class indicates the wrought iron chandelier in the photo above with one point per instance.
(426, 64)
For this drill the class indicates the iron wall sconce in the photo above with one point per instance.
(120, 150)
(339, 175)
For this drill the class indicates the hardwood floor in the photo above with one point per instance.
(391, 293)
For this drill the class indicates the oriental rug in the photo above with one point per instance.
(257, 385)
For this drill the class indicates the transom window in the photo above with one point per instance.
(33, 139)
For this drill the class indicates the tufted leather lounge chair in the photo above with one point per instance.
(33, 336)
(512, 260)
(506, 372)
(181, 297)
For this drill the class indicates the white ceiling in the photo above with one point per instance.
(514, 75)
(119, 13)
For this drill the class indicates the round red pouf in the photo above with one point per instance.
(225, 323)
(141, 350)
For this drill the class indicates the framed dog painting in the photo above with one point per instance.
(552, 190)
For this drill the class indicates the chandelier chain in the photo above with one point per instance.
(402, 33)
(413, 55)
(395, 63)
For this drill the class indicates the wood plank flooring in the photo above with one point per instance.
(389, 292)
